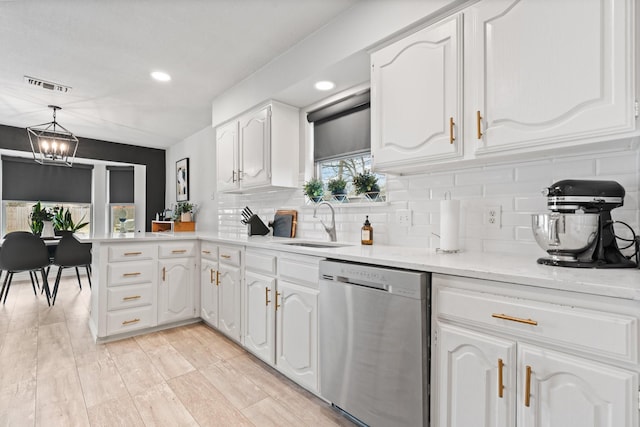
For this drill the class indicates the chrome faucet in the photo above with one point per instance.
(331, 231)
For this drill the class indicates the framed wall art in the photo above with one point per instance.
(182, 180)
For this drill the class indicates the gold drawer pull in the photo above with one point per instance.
(128, 322)
(131, 274)
(132, 253)
(131, 298)
(266, 296)
(164, 274)
(217, 278)
(478, 124)
(514, 319)
(500, 379)
(206, 252)
(527, 387)
(225, 256)
(178, 251)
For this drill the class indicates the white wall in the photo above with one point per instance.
(199, 148)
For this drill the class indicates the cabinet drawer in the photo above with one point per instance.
(129, 273)
(177, 250)
(120, 297)
(209, 251)
(130, 252)
(260, 262)
(608, 334)
(131, 319)
(302, 270)
(229, 255)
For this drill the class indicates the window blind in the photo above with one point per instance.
(24, 179)
(342, 128)
(121, 184)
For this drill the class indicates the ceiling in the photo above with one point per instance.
(105, 51)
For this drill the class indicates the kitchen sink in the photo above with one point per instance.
(316, 244)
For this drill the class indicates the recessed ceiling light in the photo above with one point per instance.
(161, 76)
(325, 85)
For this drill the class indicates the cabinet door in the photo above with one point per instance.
(416, 92)
(467, 379)
(255, 143)
(227, 156)
(209, 291)
(175, 291)
(259, 316)
(229, 300)
(297, 333)
(570, 391)
(548, 72)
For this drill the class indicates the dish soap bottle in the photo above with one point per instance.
(367, 232)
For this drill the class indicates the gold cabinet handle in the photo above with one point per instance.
(239, 175)
(514, 319)
(527, 387)
(451, 125)
(266, 296)
(206, 252)
(211, 279)
(178, 251)
(132, 253)
(131, 274)
(131, 298)
(128, 322)
(164, 273)
(278, 294)
(233, 176)
(217, 278)
(500, 379)
(479, 124)
(225, 256)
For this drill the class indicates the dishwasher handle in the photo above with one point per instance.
(356, 282)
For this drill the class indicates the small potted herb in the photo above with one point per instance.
(366, 183)
(313, 189)
(183, 212)
(337, 186)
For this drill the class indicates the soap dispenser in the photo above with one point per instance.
(367, 232)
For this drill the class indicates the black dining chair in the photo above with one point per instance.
(23, 252)
(70, 253)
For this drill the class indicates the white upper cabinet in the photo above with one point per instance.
(416, 97)
(541, 73)
(259, 149)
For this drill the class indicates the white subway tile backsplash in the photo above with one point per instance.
(515, 187)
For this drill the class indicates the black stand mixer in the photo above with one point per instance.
(578, 232)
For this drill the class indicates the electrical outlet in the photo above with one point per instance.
(403, 217)
(492, 216)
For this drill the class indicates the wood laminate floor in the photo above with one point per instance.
(53, 374)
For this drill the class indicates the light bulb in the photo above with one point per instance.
(63, 148)
(45, 145)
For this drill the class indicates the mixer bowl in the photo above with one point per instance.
(565, 233)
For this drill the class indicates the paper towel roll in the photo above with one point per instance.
(449, 224)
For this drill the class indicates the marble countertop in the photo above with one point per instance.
(620, 283)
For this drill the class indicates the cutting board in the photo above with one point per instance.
(284, 223)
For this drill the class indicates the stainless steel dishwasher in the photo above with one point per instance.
(374, 342)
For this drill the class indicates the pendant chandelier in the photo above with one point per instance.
(51, 143)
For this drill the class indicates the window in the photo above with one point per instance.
(121, 199)
(342, 145)
(16, 214)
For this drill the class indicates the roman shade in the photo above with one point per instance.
(342, 128)
(121, 184)
(24, 179)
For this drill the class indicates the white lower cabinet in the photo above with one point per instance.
(221, 276)
(516, 367)
(175, 290)
(281, 313)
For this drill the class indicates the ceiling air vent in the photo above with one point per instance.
(56, 87)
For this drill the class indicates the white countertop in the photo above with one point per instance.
(620, 283)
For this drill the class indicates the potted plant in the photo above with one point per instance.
(62, 221)
(337, 186)
(366, 183)
(183, 212)
(38, 217)
(313, 189)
